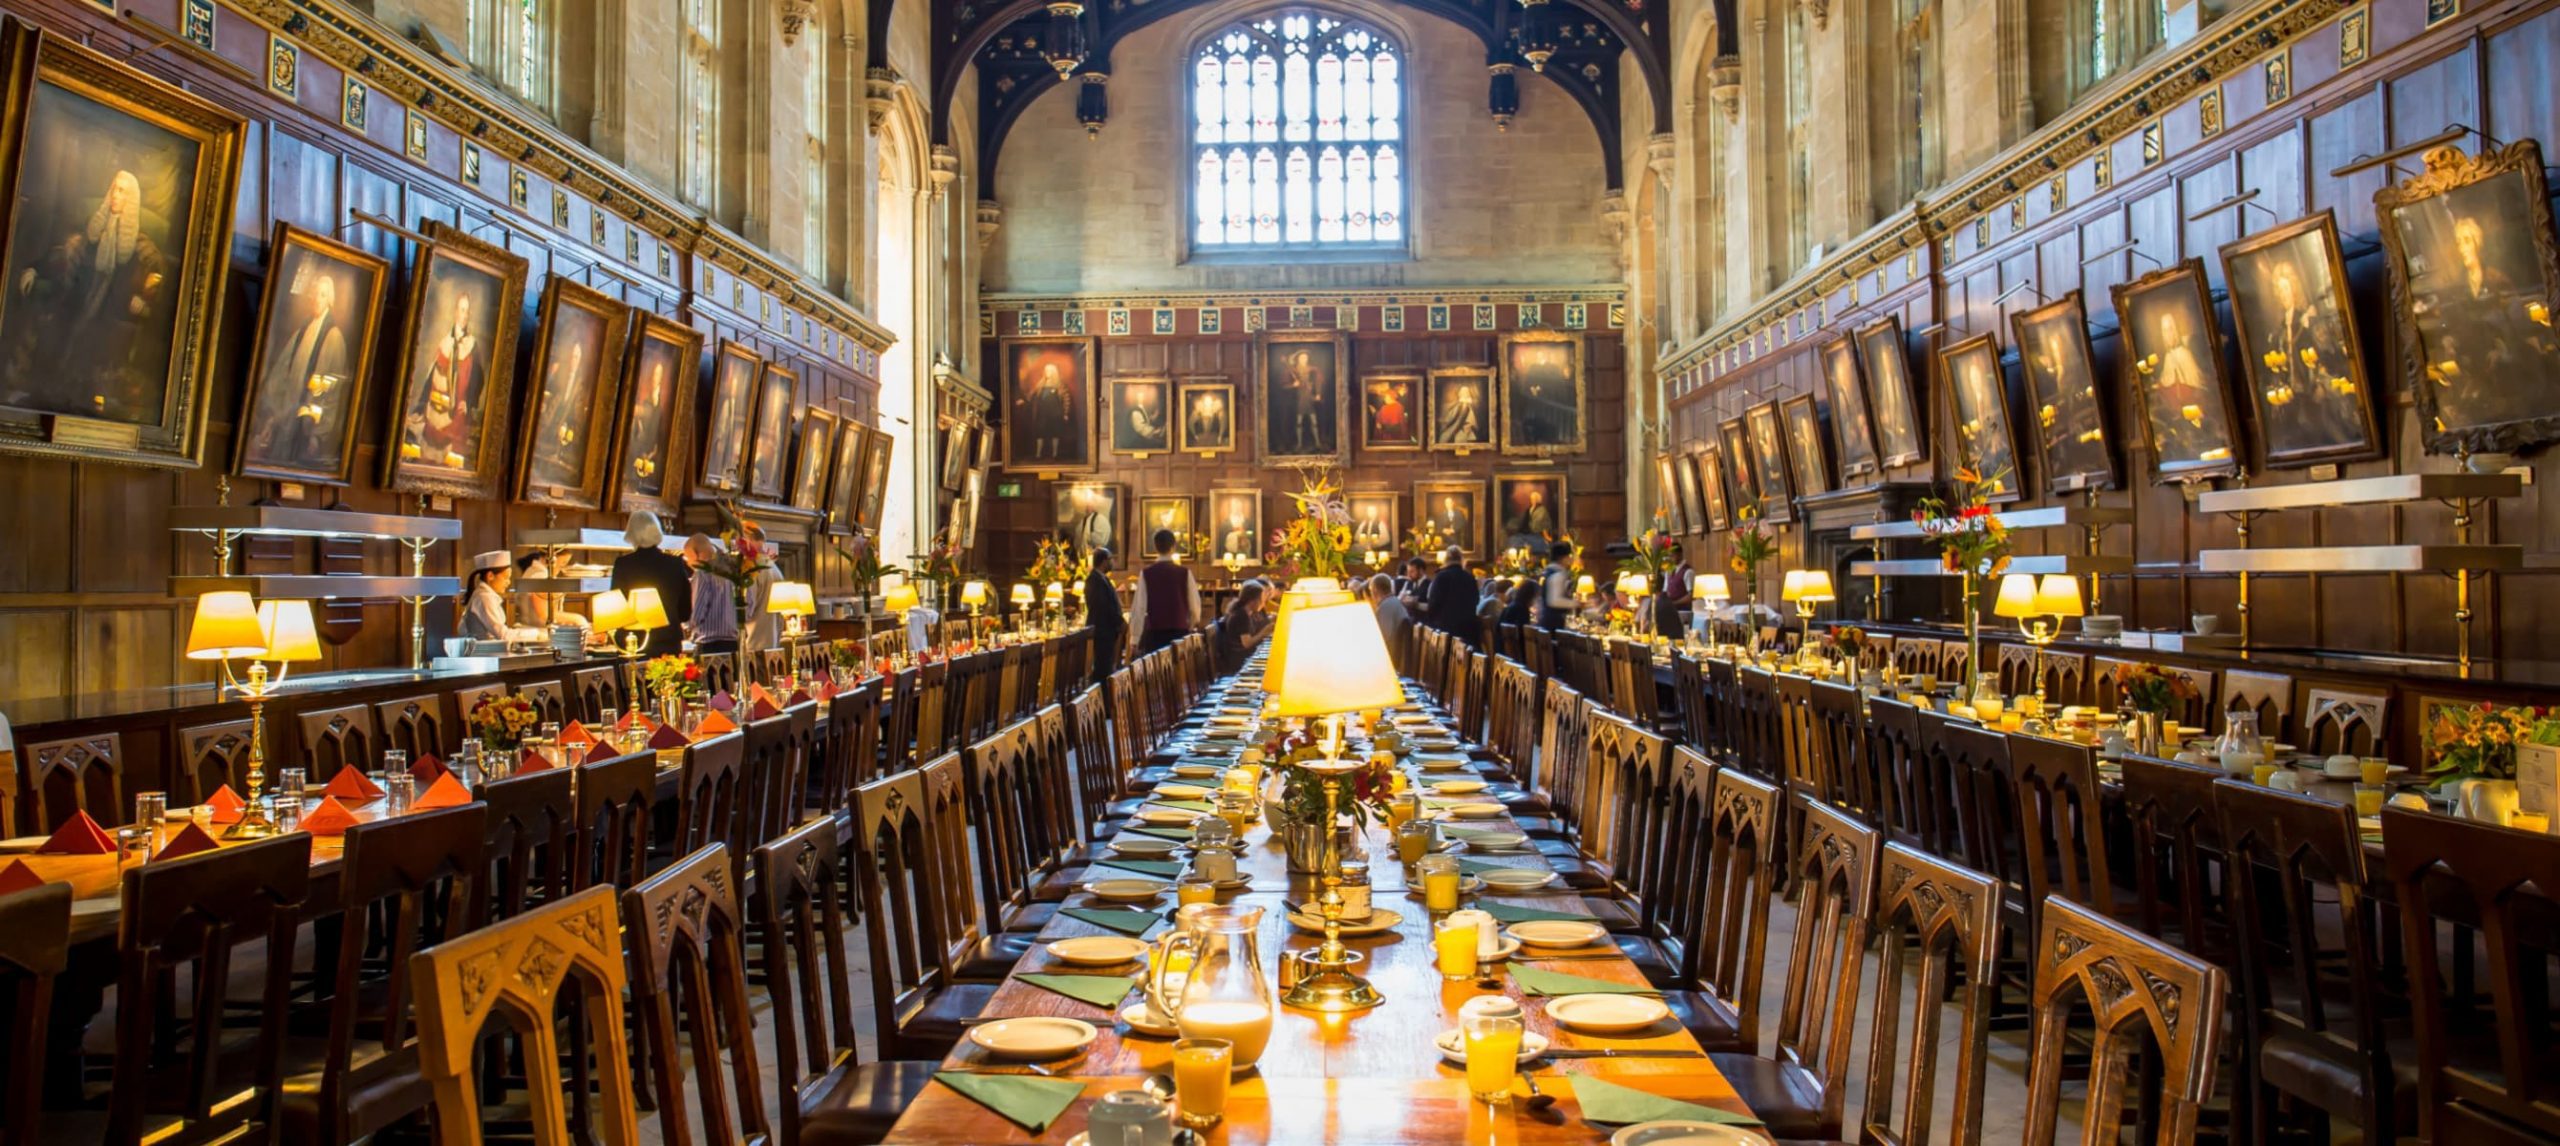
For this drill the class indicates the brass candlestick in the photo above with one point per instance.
(1330, 984)
(254, 824)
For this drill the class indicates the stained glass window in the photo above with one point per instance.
(1297, 135)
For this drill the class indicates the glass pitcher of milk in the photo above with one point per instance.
(1224, 994)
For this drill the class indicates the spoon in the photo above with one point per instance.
(1536, 1101)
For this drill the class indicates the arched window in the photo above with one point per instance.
(702, 101)
(1298, 136)
(511, 45)
(813, 130)
(1799, 142)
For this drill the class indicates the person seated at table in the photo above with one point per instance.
(1393, 618)
(483, 603)
(714, 623)
(1240, 628)
(1520, 608)
(649, 567)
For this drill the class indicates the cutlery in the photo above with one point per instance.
(1537, 1102)
(1624, 1052)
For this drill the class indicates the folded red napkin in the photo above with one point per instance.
(226, 805)
(531, 761)
(722, 702)
(18, 877)
(667, 738)
(446, 792)
(576, 733)
(763, 708)
(189, 840)
(78, 836)
(331, 818)
(757, 694)
(602, 752)
(798, 696)
(350, 784)
(427, 769)
(716, 724)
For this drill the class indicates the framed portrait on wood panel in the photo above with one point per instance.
(1208, 426)
(2301, 362)
(1391, 412)
(1377, 526)
(964, 518)
(1850, 424)
(1768, 437)
(2471, 250)
(1165, 511)
(1893, 402)
(1742, 483)
(769, 444)
(1666, 484)
(1047, 388)
(878, 450)
(1461, 413)
(1235, 525)
(120, 191)
(457, 369)
(733, 405)
(2173, 366)
(1978, 401)
(1708, 464)
(660, 373)
(1693, 496)
(1531, 508)
(1301, 373)
(318, 321)
(1455, 507)
(809, 462)
(571, 404)
(1542, 402)
(844, 477)
(955, 454)
(1806, 459)
(1141, 416)
(2065, 413)
(1087, 514)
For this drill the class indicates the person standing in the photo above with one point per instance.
(484, 600)
(1672, 596)
(764, 628)
(714, 621)
(1555, 587)
(649, 567)
(1451, 607)
(1102, 615)
(1167, 603)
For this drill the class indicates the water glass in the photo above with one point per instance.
(1201, 1071)
(399, 791)
(612, 716)
(289, 785)
(395, 762)
(549, 731)
(134, 844)
(150, 809)
(2375, 770)
(1493, 1054)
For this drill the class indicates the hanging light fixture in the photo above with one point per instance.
(1093, 102)
(1537, 33)
(1066, 36)
(1503, 94)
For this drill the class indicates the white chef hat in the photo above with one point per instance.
(493, 559)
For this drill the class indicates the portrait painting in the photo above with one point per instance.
(1087, 515)
(2301, 362)
(1165, 511)
(809, 462)
(1208, 417)
(2065, 414)
(659, 377)
(1710, 466)
(1851, 426)
(305, 383)
(1766, 429)
(1691, 492)
(1531, 508)
(2173, 367)
(877, 450)
(1301, 375)
(1666, 484)
(573, 397)
(964, 517)
(1806, 460)
(955, 454)
(1391, 412)
(1978, 400)
(2469, 243)
(1235, 525)
(1542, 402)
(844, 477)
(769, 443)
(1893, 404)
(733, 406)
(1376, 525)
(1454, 507)
(1461, 409)
(120, 192)
(457, 369)
(1742, 484)
(1141, 416)
(1048, 403)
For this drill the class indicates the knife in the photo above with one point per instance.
(1624, 1052)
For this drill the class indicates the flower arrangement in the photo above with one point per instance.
(1317, 543)
(1364, 791)
(1850, 640)
(1971, 542)
(1657, 552)
(862, 552)
(1057, 562)
(503, 721)
(2479, 741)
(939, 563)
(2150, 688)
(673, 677)
(1753, 545)
(1519, 561)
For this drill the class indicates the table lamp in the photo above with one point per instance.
(898, 599)
(228, 624)
(1342, 669)
(1023, 595)
(975, 595)
(612, 615)
(1808, 588)
(1585, 586)
(1305, 592)
(2026, 597)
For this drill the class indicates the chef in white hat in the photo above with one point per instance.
(484, 599)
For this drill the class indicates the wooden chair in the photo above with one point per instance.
(1917, 807)
(614, 800)
(828, 1094)
(2062, 823)
(2182, 882)
(2336, 720)
(688, 954)
(1949, 916)
(415, 725)
(848, 748)
(768, 665)
(1955, 663)
(1631, 684)
(82, 774)
(333, 738)
(210, 756)
(1852, 778)
(2016, 670)
(1804, 1091)
(549, 699)
(1729, 958)
(907, 894)
(774, 781)
(1689, 690)
(2268, 694)
(2485, 1071)
(1099, 777)
(533, 828)
(1914, 657)
(1004, 817)
(2137, 990)
(570, 950)
(898, 722)
(35, 946)
(719, 672)
(181, 919)
(418, 879)
(713, 797)
(598, 689)
(2308, 1030)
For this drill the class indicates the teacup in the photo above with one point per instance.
(2102, 625)
(2205, 624)
(2342, 767)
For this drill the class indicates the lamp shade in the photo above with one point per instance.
(612, 611)
(900, 598)
(791, 598)
(226, 626)
(1023, 594)
(1302, 594)
(1807, 585)
(1344, 666)
(647, 611)
(290, 634)
(2017, 596)
(1713, 587)
(1054, 594)
(1634, 584)
(2058, 595)
(974, 594)
(1585, 586)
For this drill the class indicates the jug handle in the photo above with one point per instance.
(1165, 947)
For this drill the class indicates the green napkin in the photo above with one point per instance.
(1514, 913)
(1163, 833)
(1164, 868)
(1118, 919)
(1104, 991)
(1537, 982)
(1185, 805)
(1027, 1101)
(1609, 1102)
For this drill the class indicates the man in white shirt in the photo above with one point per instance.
(1167, 603)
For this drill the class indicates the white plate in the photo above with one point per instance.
(22, 845)
(1476, 811)
(1437, 745)
(1173, 791)
(1467, 885)
(1496, 841)
(1143, 846)
(1557, 933)
(1142, 1018)
(1681, 1134)
(1032, 1038)
(1128, 890)
(1197, 771)
(1597, 1014)
(1243, 880)
(1457, 787)
(1380, 921)
(1516, 879)
(1453, 1046)
(1167, 817)
(1098, 950)
(1441, 763)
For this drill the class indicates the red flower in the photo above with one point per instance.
(693, 672)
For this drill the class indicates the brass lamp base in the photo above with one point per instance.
(253, 825)
(1330, 984)
(1331, 987)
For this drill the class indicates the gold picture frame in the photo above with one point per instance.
(2475, 299)
(1045, 430)
(1708, 461)
(1456, 506)
(1666, 481)
(1893, 402)
(1852, 424)
(1986, 439)
(2067, 414)
(1134, 429)
(2170, 353)
(1764, 429)
(1530, 361)
(2302, 363)
(1294, 400)
(879, 449)
(1381, 531)
(1205, 423)
(734, 371)
(809, 460)
(1808, 464)
(1742, 482)
(770, 435)
(572, 311)
(1166, 511)
(1390, 411)
(1461, 407)
(661, 375)
(453, 269)
(1529, 507)
(289, 431)
(844, 478)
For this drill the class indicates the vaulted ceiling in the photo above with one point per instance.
(1017, 46)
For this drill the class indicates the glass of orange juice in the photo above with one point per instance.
(1439, 882)
(2369, 799)
(1453, 945)
(2375, 770)
(1201, 1069)
(1493, 1055)
(1195, 889)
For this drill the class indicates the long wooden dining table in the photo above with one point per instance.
(1371, 1076)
